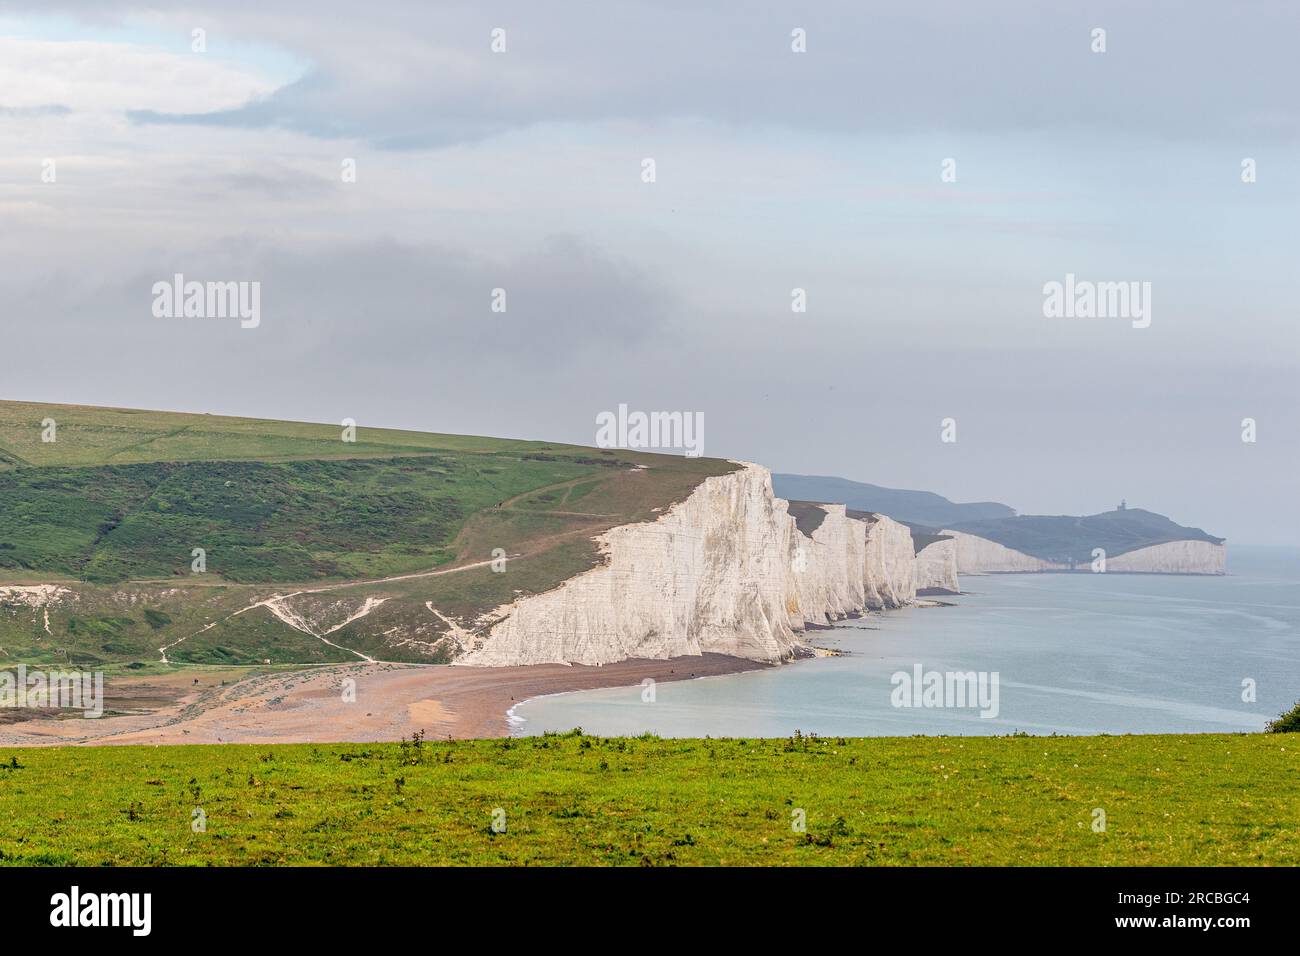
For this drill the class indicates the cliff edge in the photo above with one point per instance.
(727, 571)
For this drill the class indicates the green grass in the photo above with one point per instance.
(90, 436)
(1169, 800)
(115, 506)
(258, 521)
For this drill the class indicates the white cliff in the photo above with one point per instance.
(936, 567)
(709, 575)
(976, 555)
(1172, 557)
(889, 570)
(724, 571)
(827, 569)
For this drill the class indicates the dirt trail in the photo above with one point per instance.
(510, 502)
(275, 605)
(276, 602)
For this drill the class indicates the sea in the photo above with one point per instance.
(1014, 653)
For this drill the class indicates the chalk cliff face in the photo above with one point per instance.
(977, 555)
(724, 571)
(828, 582)
(1173, 557)
(710, 575)
(936, 567)
(889, 574)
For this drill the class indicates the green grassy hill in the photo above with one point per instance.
(112, 510)
(1200, 799)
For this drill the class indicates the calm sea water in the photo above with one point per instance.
(1074, 654)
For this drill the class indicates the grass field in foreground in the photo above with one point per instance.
(1168, 800)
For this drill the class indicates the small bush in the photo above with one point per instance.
(1288, 723)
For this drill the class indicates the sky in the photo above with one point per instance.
(128, 156)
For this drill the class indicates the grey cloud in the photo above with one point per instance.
(311, 106)
(938, 66)
(381, 298)
(263, 180)
(925, 297)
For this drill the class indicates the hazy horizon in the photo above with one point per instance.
(775, 170)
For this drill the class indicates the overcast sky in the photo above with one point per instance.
(774, 170)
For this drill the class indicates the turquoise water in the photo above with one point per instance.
(1074, 654)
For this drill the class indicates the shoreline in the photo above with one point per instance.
(1162, 574)
(390, 701)
(516, 722)
(719, 665)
